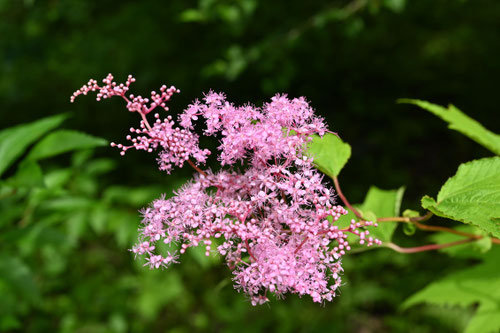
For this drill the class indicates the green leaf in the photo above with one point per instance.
(411, 213)
(484, 244)
(150, 301)
(99, 217)
(28, 174)
(63, 141)
(70, 204)
(395, 5)
(462, 123)
(131, 196)
(409, 229)
(19, 277)
(345, 220)
(191, 15)
(471, 196)
(369, 215)
(480, 284)
(15, 140)
(330, 153)
(58, 178)
(383, 203)
(486, 319)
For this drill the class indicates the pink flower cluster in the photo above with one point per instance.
(177, 144)
(273, 222)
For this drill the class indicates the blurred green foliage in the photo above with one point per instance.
(68, 215)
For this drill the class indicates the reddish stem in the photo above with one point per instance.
(196, 168)
(406, 219)
(429, 247)
(300, 245)
(445, 229)
(248, 250)
(433, 227)
(344, 199)
(145, 120)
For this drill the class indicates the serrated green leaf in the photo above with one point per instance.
(485, 320)
(383, 203)
(480, 284)
(462, 123)
(15, 140)
(330, 153)
(471, 196)
(63, 141)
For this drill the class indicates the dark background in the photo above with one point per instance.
(351, 59)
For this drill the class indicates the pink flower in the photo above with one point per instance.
(273, 222)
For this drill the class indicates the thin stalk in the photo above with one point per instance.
(406, 219)
(196, 168)
(429, 247)
(344, 199)
(248, 250)
(434, 227)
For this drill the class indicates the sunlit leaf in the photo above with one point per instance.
(462, 123)
(330, 153)
(471, 196)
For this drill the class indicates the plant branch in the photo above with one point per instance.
(414, 220)
(344, 199)
(406, 219)
(145, 120)
(249, 252)
(429, 247)
(196, 168)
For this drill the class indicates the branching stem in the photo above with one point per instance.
(433, 227)
(416, 221)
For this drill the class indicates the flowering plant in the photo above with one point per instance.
(270, 214)
(269, 211)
